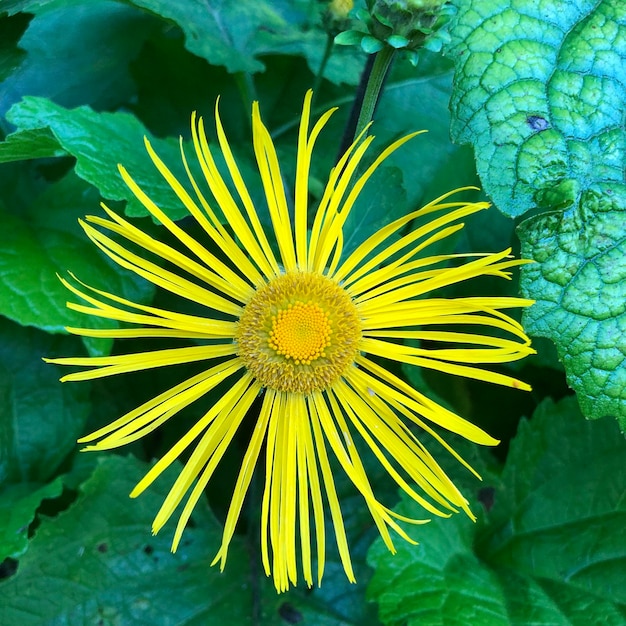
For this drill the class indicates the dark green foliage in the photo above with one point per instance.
(548, 546)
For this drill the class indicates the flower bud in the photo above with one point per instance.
(401, 24)
(335, 17)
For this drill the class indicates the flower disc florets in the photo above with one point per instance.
(299, 333)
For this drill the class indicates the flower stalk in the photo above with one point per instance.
(373, 91)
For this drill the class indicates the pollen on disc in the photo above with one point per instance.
(300, 332)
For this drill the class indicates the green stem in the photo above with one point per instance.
(381, 66)
(247, 91)
(330, 42)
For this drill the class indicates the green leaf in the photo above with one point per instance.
(224, 33)
(397, 41)
(77, 52)
(107, 568)
(100, 141)
(236, 34)
(549, 551)
(18, 504)
(40, 419)
(431, 164)
(349, 38)
(579, 282)
(30, 144)
(539, 93)
(371, 45)
(48, 241)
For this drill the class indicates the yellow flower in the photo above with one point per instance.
(288, 319)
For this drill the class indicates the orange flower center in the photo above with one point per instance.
(299, 333)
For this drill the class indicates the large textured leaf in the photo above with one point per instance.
(550, 550)
(540, 94)
(579, 283)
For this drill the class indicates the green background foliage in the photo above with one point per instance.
(539, 553)
(536, 89)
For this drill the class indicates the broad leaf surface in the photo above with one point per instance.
(18, 504)
(236, 34)
(101, 141)
(540, 95)
(47, 242)
(41, 419)
(76, 52)
(97, 562)
(550, 550)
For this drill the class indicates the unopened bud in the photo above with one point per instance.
(339, 9)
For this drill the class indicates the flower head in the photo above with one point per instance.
(290, 319)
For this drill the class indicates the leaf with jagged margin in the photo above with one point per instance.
(100, 141)
(540, 93)
(549, 550)
(18, 505)
(30, 144)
